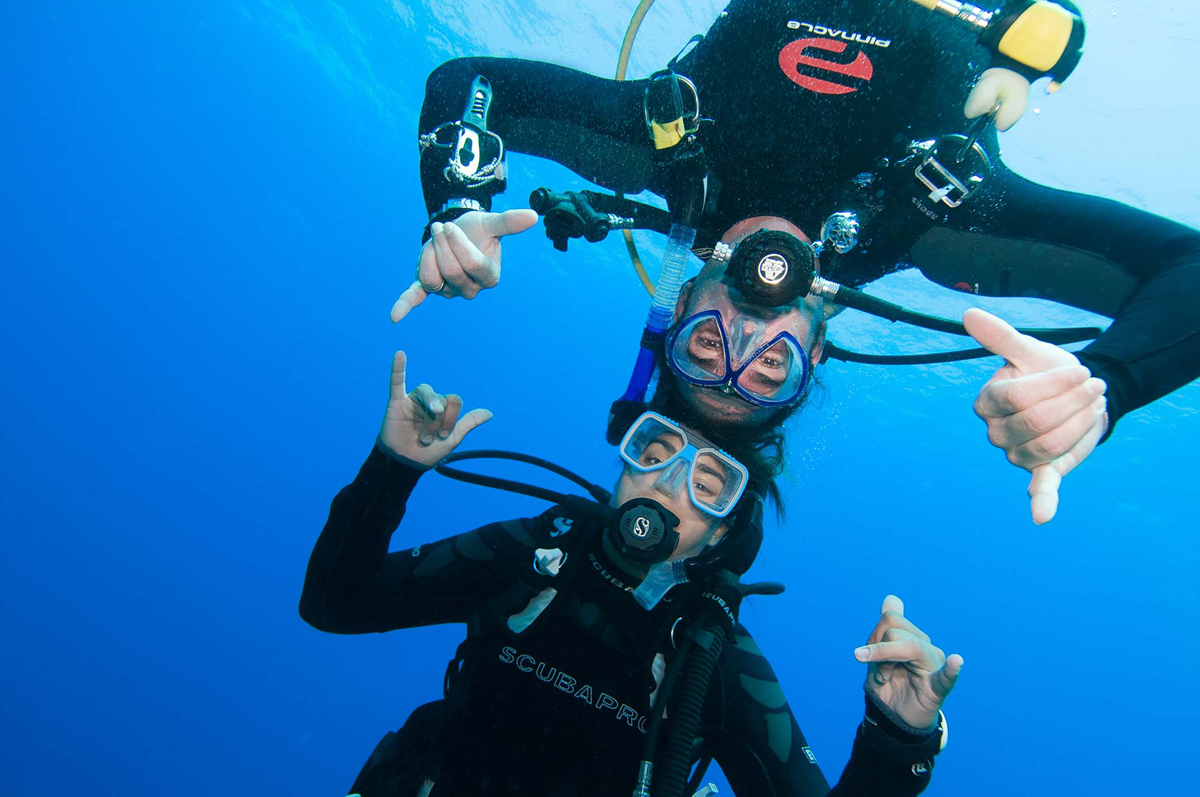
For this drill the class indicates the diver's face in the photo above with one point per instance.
(709, 291)
(670, 487)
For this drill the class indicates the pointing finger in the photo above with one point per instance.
(472, 420)
(999, 337)
(1009, 396)
(510, 222)
(411, 297)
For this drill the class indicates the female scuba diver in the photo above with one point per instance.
(603, 654)
(845, 117)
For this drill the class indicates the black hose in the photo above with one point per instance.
(665, 690)
(598, 493)
(674, 765)
(835, 352)
(882, 308)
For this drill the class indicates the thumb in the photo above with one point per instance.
(399, 364)
(999, 337)
(411, 297)
(945, 678)
(510, 222)
(467, 423)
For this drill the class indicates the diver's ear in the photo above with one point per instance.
(818, 347)
(718, 535)
(685, 298)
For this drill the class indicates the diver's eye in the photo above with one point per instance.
(659, 450)
(709, 341)
(770, 360)
(702, 489)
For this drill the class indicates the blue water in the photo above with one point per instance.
(206, 211)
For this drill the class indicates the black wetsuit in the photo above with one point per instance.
(559, 706)
(807, 99)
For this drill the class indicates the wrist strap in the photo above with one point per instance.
(459, 206)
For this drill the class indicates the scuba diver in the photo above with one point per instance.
(603, 652)
(846, 119)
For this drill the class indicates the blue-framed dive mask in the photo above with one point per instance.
(771, 372)
(715, 480)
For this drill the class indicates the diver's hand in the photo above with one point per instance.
(904, 669)
(462, 257)
(1042, 407)
(424, 426)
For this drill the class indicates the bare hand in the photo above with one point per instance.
(1042, 407)
(904, 669)
(461, 258)
(424, 426)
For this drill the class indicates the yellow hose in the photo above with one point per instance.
(623, 62)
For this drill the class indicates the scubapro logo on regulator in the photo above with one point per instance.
(772, 269)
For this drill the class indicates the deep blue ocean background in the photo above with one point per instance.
(206, 211)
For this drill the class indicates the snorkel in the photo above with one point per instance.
(679, 152)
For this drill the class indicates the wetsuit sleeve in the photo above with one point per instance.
(591, 125)
(1024, 239)
(354, 586)
(762, 751)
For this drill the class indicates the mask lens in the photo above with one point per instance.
(776, 374)
(651, 444)
(717, 482)
(699, 349)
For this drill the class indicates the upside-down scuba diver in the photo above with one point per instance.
(846, 120)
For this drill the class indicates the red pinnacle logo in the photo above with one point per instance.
(796, 54)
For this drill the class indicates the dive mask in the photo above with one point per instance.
(715, 481)
(739, 357)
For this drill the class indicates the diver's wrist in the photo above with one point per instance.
(451, 209)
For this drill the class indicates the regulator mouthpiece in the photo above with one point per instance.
(771, 268)
(643, 531)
